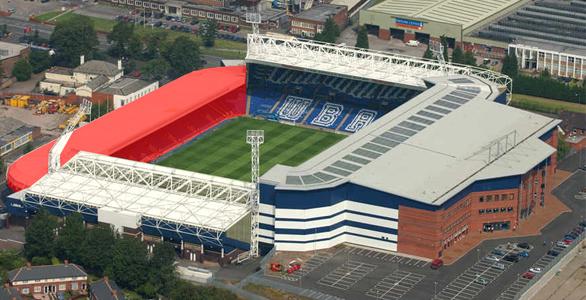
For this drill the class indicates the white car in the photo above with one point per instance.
(493, 258)
(412, 43)
(561, 244)
(535, 270)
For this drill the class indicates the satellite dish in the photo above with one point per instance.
(51, 52)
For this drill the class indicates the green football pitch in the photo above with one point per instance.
(224, 151)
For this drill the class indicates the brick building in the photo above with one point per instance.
(9, 54)
(43, 280)
(310, 22)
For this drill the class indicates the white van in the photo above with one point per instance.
(412, 43)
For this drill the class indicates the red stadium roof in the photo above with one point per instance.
(131, 123)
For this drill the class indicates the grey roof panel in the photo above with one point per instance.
(356, 159)
(102, 291)
(346, 165)
(429, 114)
(471, 89)
(46, 272)
(412, 126)
(310, 179)
(394, 137)
(447, 104)
(438, 109)
(295, 180)
(403, 131)
(375, 148)
(461, 80)
(385, 142)
(454, 99)
(366, 153)
(337, 171)
(463, 95)
(421, 120)
(324, 176)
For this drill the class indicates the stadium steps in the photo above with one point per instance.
(311, 109)
(350, 113)
(536, 34)
(277, 104)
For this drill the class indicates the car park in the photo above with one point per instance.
(524, 245)
(523, 254)
(535, 270)
(499, 266)
(553, 253)
(498, 252)
(481, 280)
(437, 263)
(493, 258)
(511, 258)
(583, 224)
(528, 275)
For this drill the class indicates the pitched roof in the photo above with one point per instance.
(105, 289)
(124, 86)
(97, 82)
(9, 293)
(98, 67)
(46, 272)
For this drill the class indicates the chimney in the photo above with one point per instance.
(82, 60)
(28, 265)
(119, 64)
(66, 262)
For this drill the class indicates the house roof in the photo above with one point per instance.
(9, 293)
(60, 71)
(105, 289)
(98, 67)
(8, 50)
(97, 82)
(46, 272)
(320, 12)
(571, 120)
(124, 86)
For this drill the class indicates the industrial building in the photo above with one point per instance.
(433, 153)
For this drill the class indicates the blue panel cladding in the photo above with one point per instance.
(544, 137)
(296, 199)
(25, 209)
(502, 98)
(267, 194)
(334, 227)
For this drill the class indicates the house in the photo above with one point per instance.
(40, 280)
(310, 22)
(82, 80)
(10, 293)
(124, 91)
(105, 289)
(10, 53)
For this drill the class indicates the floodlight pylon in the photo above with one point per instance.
(254, 138)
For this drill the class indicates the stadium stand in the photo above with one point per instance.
(319, 100)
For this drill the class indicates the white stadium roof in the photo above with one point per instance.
(431, 147)
(133, 188)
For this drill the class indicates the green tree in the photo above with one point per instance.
(563, 147)
(129, 263)
(330, 32)
(209, 32)
(22, 70)
(469, 59)
(135, 47)
(183, 56)
(162, 271)
(97, 249)
(10, 260)
(73, 37)
(120, 38)
(362, 38)
(545, 74)
(39, 60)
(155, 43)
(187, 291)
(155, 69)
(510, 65)
(458, 55)
(40, 236)
(70, 240)
(40, 261)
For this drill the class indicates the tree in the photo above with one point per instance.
(40, 236)
(120, 38)
(155, 69)
(39, 60)
(135, 47)
(469, 58)
(22, 70)
(4, 30)
(70, 240)
(458, 55)
(155, 44)
(444, 42)
(183, 56)
(362, 38)
(162, 271)
(545, 74)
(209, 31)
(73, 37)
(10, 260)
(510, 65)
(330, 32)
(97, 249)
(187, 291)
(563, 147)
(129, 263)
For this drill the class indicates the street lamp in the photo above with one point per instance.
(435, 289)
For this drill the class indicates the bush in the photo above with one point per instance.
(22, 70)
(40, 261)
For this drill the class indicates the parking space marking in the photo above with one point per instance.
(346, 275)
(393, 258)
(395, 285)
(311, 264)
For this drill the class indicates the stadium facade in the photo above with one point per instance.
(433, 153)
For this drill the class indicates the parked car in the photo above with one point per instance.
(524, 245)
(481, 280)
(535, 270)
(493, 258)
(561, 244)
(412, 43)
(583, 224)
(578, 230)
(568, 241)
(573, 235)
(523, 254)
(528, 275)
(498, 266)
(498, 252)
(437, 263)
(511, 257)
(158, 24)
(553, 253)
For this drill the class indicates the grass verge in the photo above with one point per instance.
(271, 293)
(545, 105)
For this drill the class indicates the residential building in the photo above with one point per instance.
(124, 91)
(9, 293)
(105, 289)
(10, 53)
(52, 279)
(310, 22)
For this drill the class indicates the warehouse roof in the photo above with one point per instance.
(431, 147)
(27, 273)
(8, 50)
(320, 12)
(125, 86)
(463, 12)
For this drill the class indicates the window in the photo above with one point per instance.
(226, 18)
(74, 286)
(510, 208)
(62, 287)
(481, 198)
(504, 197)
(25, 291)
(202, 13)
(481, 211)
(496, 198)
(234, 19)
(37, 289)
(511, 196)
(503, 209)
(218, 17)
(495, 210)
(488, 198)
(210, 15)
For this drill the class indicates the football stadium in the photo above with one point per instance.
(374, 149)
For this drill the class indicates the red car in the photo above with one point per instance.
(437, 263)
(293, 267)
(568, 241)
(528, 275)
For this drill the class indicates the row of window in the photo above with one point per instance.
(302, 24)
(192, 12)
(51, 288)
(454, 209)
(497, 197)
(17, 143)
(456, 223)
(495, 210)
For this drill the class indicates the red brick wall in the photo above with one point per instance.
(8, 64)
(384, 34)
(68, 284)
